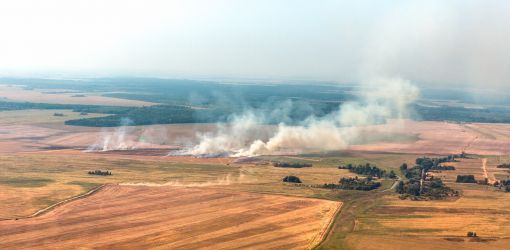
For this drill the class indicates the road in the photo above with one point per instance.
(394, 184)
(485, 173)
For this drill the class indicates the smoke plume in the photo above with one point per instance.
(379, 101)
(115, 140)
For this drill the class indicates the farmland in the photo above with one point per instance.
(380, 222)
(35, 179)
(175, 201)
(124, 216)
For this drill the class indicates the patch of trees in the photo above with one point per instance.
(466, 179)
(291, 178)
(392, 175)
(362, 184)
(434, 163)
(432, 189)
(100, 172)
(419, 185)
(505, 165)
(461, 114)
(368, 170)
(159, 114)
(291, 165)
(443, 168)
(411, 173)
(5, 106)
(503, 184)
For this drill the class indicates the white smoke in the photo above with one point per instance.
(116, 139)
(221, 181)
(242, 130)
(380, 100)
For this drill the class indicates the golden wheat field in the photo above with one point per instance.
(119, 217)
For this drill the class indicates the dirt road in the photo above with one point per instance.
(486, 173)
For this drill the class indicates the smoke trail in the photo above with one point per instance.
(115, 140)
(221, 181)
(380, 100)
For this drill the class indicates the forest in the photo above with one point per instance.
(191, 101)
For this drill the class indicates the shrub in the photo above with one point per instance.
(99, 172)
(466, 178)
(291, 165)
(505, 165)
(292, 179)
(471, 234)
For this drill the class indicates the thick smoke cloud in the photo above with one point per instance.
(380, 101)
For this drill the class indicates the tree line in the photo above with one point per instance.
(504, 165)
(100, 172)
(291, 165)
(369, 170)
(354, 183)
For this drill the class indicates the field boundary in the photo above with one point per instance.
(323, 234)
(60, 203)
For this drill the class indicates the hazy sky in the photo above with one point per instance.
(426, 41)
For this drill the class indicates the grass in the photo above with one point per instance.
(37, 116)
(374, 220)
(84, 185)
(382, 215)
(25, 182)
(70, 178)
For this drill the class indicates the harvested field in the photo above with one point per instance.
(36, 130)
(67, 170)
(445, 138)
(391, 223)
(17, 93)
(178, 218)
(33, 129)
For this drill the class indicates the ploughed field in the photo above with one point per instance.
(138, 217)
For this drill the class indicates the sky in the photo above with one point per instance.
(437, 42)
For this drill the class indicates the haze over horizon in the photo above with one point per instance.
(436, 42)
